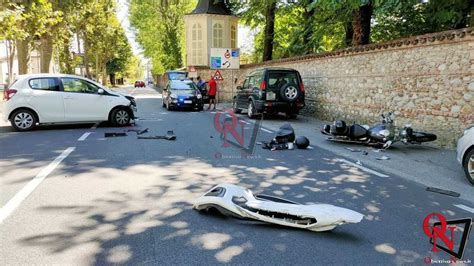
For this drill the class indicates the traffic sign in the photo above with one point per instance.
(225, 58)
(218, 75)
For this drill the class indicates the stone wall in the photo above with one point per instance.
(426, 80)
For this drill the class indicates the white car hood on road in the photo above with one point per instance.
(240, 202)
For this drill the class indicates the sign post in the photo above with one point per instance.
(225, 58)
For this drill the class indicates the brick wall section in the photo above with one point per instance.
(426, 80)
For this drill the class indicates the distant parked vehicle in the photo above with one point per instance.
(56, 98)
(182, 94)
(270, 91)
(140, 84)
(465, 153)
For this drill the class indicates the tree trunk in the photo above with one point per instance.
(46, 53)
(104, 75)
(349, 32)
(308, 31)
(23, 49)
(269, 31)
(361, 24)
(67, 62)
(112, 78)
(85, 59)
(11, 55)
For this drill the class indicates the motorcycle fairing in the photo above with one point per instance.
(239, 202)
(357, 131)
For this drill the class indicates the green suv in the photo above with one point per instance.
(270, 91)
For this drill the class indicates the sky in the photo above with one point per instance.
(245, 33)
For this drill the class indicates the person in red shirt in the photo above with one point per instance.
(212, 92)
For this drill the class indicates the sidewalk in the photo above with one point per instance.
(425, 164)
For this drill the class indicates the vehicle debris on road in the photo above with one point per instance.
(114, 134)
(138, 131)
(285, 139)
(169, 136)
(239, 202)
(443, 191)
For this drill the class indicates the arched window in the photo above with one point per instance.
(217, 35)
(196, 44)
(233, 36)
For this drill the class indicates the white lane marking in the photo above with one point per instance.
(21, 195)
(464, 207)
(95, 125)
(363, 168)
(84, 136)
(266, 130)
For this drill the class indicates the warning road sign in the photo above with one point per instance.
(218, 76)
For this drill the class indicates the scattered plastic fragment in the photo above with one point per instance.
(169, 136)
(115, 134)
(352, 150)
(241, 203)
(365, 153)
(443, 191)
(358, 162)
(382, 158)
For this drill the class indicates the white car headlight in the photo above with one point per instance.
(173, 95)
(385, 132)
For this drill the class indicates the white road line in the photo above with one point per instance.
(84, 136)
(464, 207)
(266, 130)
(363, 168)
(21, 195)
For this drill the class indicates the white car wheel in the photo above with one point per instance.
(23, 120)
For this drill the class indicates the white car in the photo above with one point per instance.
(239, 202)
(465, 153)
(63, 99)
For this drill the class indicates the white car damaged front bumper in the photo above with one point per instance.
(239, 202)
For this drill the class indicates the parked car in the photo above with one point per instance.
(139, 84)
(176, 75)
(270, 91)
(55, 98)
(465, 153)
(182, 94)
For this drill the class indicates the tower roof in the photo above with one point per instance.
(217, 7)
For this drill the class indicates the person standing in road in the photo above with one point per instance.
(212, 93)
(200, 83)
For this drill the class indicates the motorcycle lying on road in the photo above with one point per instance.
(382, 134)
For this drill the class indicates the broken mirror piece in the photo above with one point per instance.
(239, 202)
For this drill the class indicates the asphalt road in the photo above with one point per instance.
(129, 201)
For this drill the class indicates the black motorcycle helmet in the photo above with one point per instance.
(302, 142)
(340, 126)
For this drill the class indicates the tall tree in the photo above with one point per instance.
(361, 19)
(269, 30)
